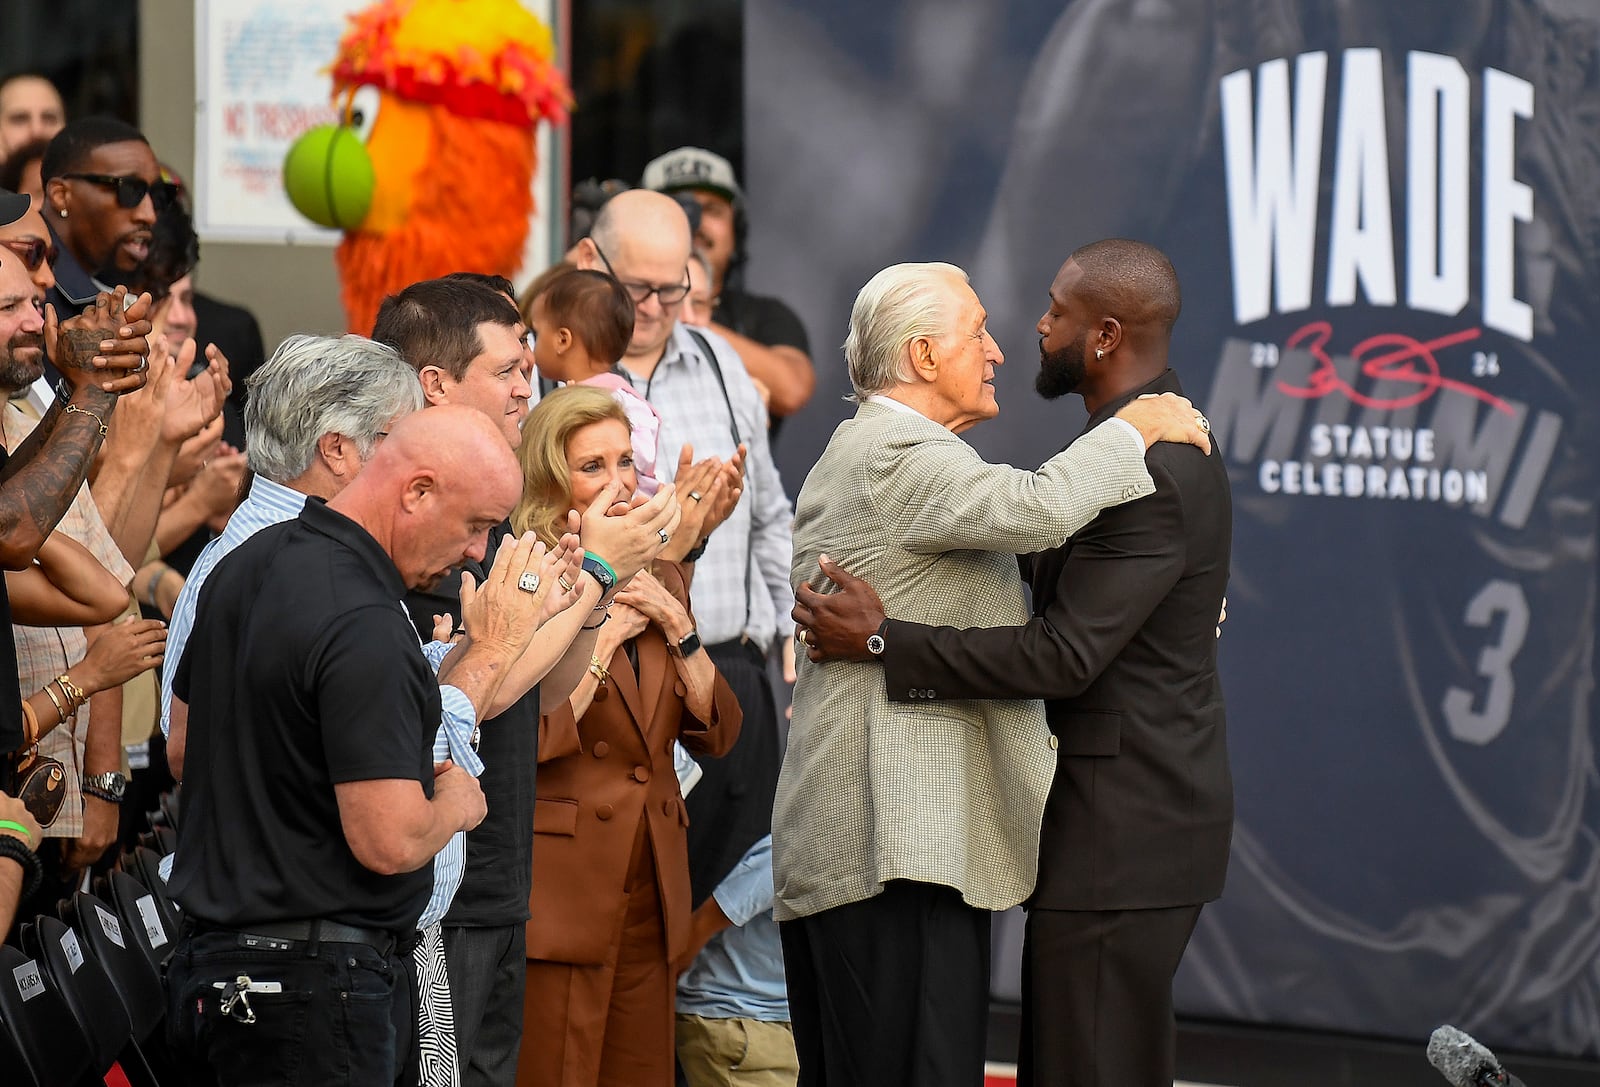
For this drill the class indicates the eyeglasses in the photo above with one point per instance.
(669, 295)
(131, 191)
(32, 251)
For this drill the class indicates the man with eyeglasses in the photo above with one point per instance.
(742, 595)
(103, 190)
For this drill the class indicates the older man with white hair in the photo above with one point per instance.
(899, 827)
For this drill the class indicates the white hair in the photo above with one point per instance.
(902, 303)
(316, 385)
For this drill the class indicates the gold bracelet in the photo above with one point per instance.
(30, 722)
(85, 411)
(598, 670)
(71, 690)
(56, 702)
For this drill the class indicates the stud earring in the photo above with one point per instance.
(1098, 354)
(63, 213)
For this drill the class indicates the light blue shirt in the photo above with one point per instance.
(271, 504)
(739, 974)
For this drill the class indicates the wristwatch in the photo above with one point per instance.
(687, 646)
(109, 786)
(601, 572)
(875, 644)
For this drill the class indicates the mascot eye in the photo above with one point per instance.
(364, 111)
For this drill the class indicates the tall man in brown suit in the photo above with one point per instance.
(1121, 647)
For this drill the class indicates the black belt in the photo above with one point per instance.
(283, 935)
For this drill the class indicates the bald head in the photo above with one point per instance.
(1131, 281)
(642, 217)
(435, 487)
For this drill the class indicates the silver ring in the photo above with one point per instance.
(665, 539)
(566, 586)
(528, 582)
(695, 495)
(144, 364)
(1203, 423)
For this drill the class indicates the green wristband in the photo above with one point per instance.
(12, 824)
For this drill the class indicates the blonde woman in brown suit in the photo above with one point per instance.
(610, 906)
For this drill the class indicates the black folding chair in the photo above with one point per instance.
(170, 806)
(90, 997)
(133, 974)
(39, 1026)
(141, 913)
(144, 866)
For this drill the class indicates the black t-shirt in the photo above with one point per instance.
(11, 731)
(763, 318)
(302, 672)
(499, 872)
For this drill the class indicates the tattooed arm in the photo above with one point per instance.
(100, 353)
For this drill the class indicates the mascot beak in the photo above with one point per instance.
(329, 178)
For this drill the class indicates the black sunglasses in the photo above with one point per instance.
(32, 251)
(131, 191)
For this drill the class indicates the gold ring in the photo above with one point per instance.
(1203, 423)
(561, 580)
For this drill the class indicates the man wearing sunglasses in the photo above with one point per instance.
(103, 190)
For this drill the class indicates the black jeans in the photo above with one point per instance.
(486, 968)
(331, 1022)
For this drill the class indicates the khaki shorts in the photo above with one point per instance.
(736, 1052)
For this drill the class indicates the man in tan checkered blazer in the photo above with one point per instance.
(898, 827)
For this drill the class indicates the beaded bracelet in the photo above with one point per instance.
(16, 849)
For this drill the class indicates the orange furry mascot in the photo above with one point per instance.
(446, 95)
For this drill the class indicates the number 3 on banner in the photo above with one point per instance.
(1480, 726)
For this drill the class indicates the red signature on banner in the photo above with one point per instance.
(1409, 360)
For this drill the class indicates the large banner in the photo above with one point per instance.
(1386, 220)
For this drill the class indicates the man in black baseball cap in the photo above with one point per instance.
(13, 206)
(766, 333)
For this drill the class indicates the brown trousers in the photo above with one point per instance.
(609, 1025)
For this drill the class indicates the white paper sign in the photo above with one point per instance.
(69, 944)
(152, 921)
(29, 983)
(260, 83)
(109, 925)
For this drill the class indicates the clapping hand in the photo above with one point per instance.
(107, 345)
(507, 609)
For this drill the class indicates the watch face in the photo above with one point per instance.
(875, 645)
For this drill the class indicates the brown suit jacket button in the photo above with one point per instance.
(641, 774)
(679, 689)
(601, 749)
(668, 807)
(603, 812)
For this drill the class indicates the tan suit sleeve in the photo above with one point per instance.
(939, 495)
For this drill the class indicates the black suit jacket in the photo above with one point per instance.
(1123, 649)
(236, 332)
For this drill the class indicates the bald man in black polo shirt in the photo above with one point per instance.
(312, 807)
